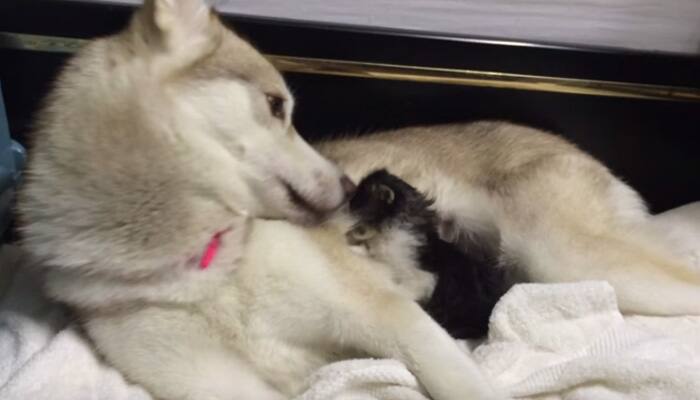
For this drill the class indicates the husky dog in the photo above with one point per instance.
(163, 174)
(551, 209)
(458, 287)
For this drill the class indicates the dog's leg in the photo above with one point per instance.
(173, 354)
(574, 221)
(393, 326)
(647, 279)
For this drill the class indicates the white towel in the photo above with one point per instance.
(41, 356)
(557, 341)
(570, 341)
(363, 380)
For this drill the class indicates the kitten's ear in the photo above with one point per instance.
(179, 26)
(384, 193)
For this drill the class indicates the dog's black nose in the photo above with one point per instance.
(348, 185)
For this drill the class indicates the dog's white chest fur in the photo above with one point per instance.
(275, 308)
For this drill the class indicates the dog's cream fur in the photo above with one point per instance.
(551, 208)
(301, 298)
(173, 132)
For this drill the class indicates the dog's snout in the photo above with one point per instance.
(348, 185)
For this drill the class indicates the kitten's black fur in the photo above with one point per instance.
(469, 280)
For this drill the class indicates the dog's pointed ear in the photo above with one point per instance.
(181, 16)
(179, 24)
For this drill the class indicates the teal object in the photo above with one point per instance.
(12, 158)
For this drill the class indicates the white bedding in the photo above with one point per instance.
(42, 356)
(556, 341)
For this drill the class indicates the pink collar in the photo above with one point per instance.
(211, 250)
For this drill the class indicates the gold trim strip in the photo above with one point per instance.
(490, 79)
(448, 76)
(50, 44)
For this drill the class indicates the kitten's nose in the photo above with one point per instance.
(348, 186)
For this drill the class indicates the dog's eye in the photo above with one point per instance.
(276, 104)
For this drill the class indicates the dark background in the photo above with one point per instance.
(653, 145)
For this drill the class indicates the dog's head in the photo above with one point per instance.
(157, 138)
(233, 112)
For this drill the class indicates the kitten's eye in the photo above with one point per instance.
(360, 231)
(360, 234)
(276, 104)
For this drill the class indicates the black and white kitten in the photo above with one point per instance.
(457, 285)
